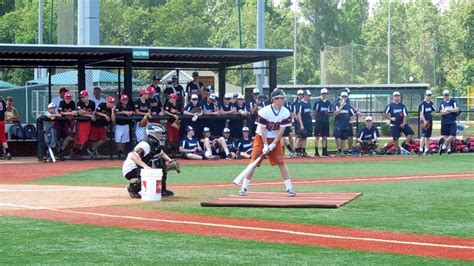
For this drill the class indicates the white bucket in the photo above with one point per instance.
(151, 184)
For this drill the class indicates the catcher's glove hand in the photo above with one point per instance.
(426, 125)
(173, 165)
(144, 121)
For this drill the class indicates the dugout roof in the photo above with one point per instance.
(128, 57)
(114, 56)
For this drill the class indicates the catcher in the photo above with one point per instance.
(367, 141)
(149, 154)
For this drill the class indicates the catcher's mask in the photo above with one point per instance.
(156, 133)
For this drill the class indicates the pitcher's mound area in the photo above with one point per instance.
(281, 200)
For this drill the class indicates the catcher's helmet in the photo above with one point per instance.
(156, 133)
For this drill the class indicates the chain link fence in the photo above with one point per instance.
(362, 64)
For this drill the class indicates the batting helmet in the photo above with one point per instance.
(156, 133)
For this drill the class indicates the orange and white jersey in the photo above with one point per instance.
(272, 119)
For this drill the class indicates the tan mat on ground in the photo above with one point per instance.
(281, 200)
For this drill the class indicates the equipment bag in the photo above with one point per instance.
(29, 131)
(16, 131)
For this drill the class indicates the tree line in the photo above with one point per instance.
(431, 44)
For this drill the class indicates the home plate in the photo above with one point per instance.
(281, 200)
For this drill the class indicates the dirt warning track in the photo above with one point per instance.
(260, 230)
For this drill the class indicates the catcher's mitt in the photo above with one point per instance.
(173, 165)
(144, 121)
(426, 125)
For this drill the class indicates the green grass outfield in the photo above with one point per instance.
(27, 241)
(437, 207)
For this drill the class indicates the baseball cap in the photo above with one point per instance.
(278, 93)
(368, 118)
(174, 77)
(84, 93)
(212, 96)
(124, 97)
(68, 95)
(445, 92)
(144, 91)
(255, 91)
(245, 129)
(175, 96)
(324, 90)
(347, 90)
(111, 99)
(206, 129)
(307, 92)
(396, 93)
(63, 89)
(51, 105)
(189, 128)
(299, 92)
(194, 96)
(228, 96)
(240, 97)
(195, 74)
(226, 130)
(428, 92)
(344, 93)
(155, 78)
(151, 90)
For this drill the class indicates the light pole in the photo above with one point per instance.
(295, 40)
(388, 42)
(240, 45)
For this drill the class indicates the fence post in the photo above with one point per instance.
(419, 124)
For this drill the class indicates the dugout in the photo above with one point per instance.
(124, 59)
(366, 97)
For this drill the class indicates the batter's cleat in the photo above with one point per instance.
(291, 193)
(305, 154)
(167, 193)
(9, 156)
(229, 157)
(449, 152)
(243, 192)
(316, 154)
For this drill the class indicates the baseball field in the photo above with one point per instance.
(414, 210)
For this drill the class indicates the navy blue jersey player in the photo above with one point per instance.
(322, 111)
(343, 113)
(449, 110)
(288, 134)
(305, 122)
(397, 113)
(367, 138)
(245, 144)
(426, 109)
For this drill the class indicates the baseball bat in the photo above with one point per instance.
(52, 154)
(247, 170)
